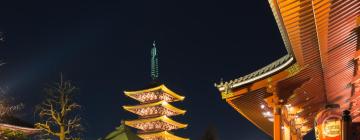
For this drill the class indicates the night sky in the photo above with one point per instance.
(103, 47)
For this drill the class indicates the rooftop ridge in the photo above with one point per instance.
(269, 69)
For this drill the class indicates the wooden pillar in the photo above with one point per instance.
(277, 123)
(294, 135)
(286, 132)
(357, 31)
(346, 123)
(276, 104)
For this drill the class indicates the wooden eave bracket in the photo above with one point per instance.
(357, 55)
(356, 79)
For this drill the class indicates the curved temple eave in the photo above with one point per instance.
(262, 73)
(165, 119)
(161, 87)
(160, 103)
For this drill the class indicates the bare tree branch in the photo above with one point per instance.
(58, 112)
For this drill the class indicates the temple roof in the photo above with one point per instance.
(25, 130)
(15, 124)
(321, 38)
(249, 106)
(268, 70)
(122, 133)
(163, 134)
(162, 120)
(161, 87)
(163, 104)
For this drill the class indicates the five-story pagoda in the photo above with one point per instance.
(155, 110)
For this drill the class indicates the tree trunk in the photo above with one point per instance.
(62, 133)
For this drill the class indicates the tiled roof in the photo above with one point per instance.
(270, 69)
(15, 124)
(122, 133)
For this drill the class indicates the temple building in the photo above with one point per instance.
(13, 126)
(121, 133)
(315, 82)
(155, 109)
(25, 130)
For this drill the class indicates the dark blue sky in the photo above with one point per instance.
(104, 48)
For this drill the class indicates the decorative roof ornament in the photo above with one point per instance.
(154, 62)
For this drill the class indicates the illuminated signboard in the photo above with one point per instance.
(328, 124)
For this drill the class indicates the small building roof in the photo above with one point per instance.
(25, 130)
(14, 124)
(122, 133)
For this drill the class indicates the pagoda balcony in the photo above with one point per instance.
(161, 108)
(155, 124)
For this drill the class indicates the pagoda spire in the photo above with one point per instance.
(154, 62)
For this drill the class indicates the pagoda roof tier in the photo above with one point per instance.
(25, 130)
(162, 123)
(154, 94)
(157, 108)
(163, 135)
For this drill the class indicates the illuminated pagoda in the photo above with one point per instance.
(155, 110)
(320, 69)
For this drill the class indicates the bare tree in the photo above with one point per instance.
(58, 113)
